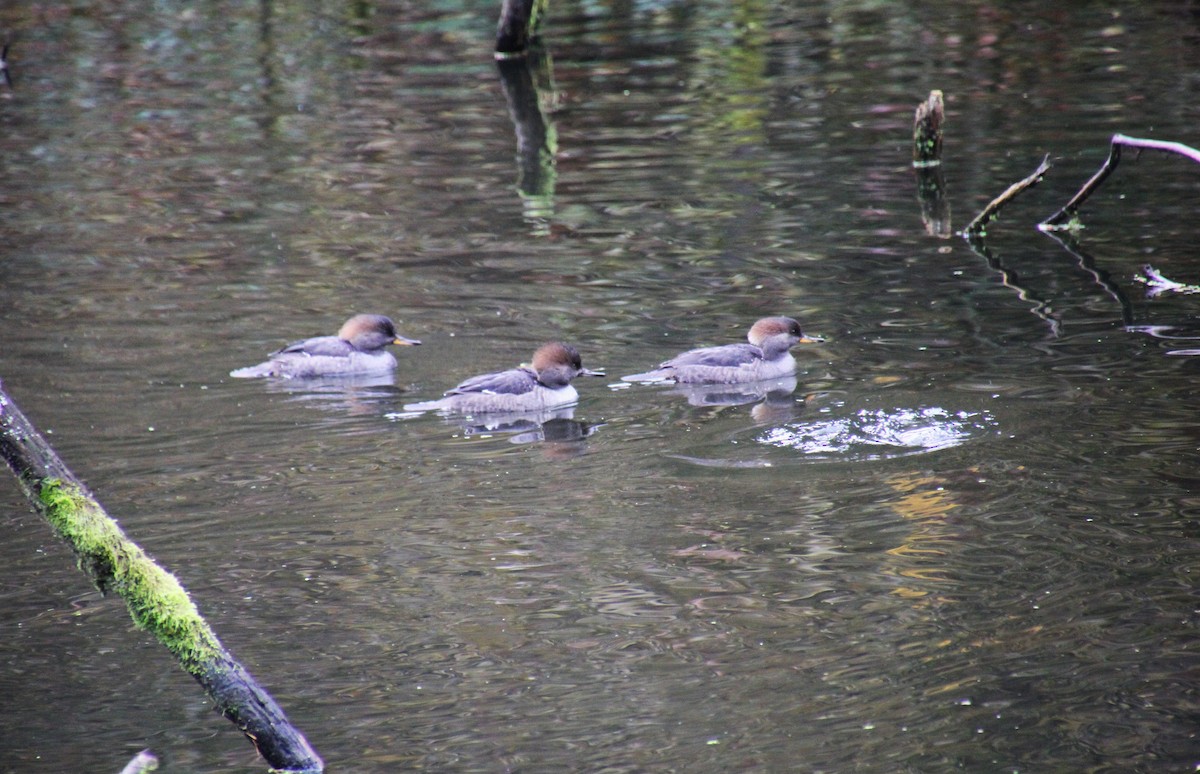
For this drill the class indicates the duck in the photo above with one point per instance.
(358, 349)
(543, 384)
(766, 356)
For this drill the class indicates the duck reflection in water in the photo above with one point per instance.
(554, 426)
(352, 394)
(774, 399)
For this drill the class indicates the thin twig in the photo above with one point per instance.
(975, 227)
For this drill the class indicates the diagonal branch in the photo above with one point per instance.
(1065, 218)
(976, 227)
(156, 600)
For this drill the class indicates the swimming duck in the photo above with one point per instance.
(358, 349)
(765, 357)
(544, 384)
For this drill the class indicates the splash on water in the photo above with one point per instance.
(880, 433)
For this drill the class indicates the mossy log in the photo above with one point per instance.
(156, 600)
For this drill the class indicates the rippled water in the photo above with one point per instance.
(966, 538)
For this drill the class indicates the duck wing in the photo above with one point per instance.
(729, 356)
(321, 346)
(515, 381)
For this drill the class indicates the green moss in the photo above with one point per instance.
(536, 16)
(156, 601)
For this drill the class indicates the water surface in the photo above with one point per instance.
(967, 539)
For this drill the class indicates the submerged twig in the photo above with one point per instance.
(975, 227)
(1065, 218)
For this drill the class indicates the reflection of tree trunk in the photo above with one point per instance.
(156, 600)
(537, 141)
(935, 207)
(268, 83)
(4, 66)
(142, 762)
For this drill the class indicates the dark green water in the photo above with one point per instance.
(968, 541)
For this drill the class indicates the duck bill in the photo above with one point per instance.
(403, 342)
(589, 372)
(811, 340)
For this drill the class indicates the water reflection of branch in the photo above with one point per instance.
(1011, 279)
(557, 430)
(1101, 277)
(526, 82)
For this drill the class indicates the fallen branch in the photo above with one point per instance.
(156, 600)
(1065, 218)
(976, 227)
